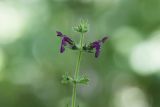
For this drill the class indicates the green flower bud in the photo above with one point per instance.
(82, 27)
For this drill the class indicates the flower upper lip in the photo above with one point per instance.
(59, 33)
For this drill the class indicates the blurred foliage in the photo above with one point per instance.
(31, 66)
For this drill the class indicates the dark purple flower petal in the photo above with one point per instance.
(63, 43)
(62, 49)
(68, 40)
(97, 46)
(59, 33)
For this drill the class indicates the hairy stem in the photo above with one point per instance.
(77, 72)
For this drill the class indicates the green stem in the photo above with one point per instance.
(77, 72)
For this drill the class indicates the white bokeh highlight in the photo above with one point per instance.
(124, 39)
(12, 22)
(145, 57)
(130, 97)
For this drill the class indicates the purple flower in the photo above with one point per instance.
(66, 41)
(95, 45)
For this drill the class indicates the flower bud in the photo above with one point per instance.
(82, 27)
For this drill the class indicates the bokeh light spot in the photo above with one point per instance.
(131, 96)
(145, 58)
(124, 39)
(12, 22)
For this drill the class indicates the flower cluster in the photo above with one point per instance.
(66, 41)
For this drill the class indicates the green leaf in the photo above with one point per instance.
(83, 80)
(66, 79)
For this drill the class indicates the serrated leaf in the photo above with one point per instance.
(83, 80)
(66, 79)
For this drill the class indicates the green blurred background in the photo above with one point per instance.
(127, 73)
